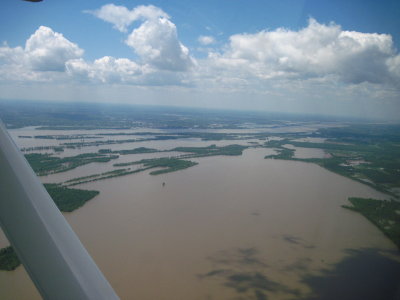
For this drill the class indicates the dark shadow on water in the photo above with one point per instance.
(242, 270)
(291, 239)
(365, 274)
(300, 265)
(238, 257)
(255, 282)
(297, 241)
(251, 285)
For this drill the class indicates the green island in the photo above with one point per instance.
(169, 164)
(383, 214)
(66, 137)
(40, 148)
(66, 199)
(44, 164)
(139, 150)
(98, 143)
(212, 150)
(101, 176)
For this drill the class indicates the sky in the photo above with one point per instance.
(298, 56)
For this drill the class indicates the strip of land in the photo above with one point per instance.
(367, 154)
(167, 164)
(383, 214)
(44, 164)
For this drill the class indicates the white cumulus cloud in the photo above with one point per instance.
(156, 42)
(47, 50)
(319, 54)
(106, 70)
(44, 51)
(121, 17)
(317, 50)
(206, 40)
(111, 70)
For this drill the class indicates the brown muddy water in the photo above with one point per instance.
(231, 228)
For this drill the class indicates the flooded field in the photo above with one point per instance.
(301, 152)
(240, 227)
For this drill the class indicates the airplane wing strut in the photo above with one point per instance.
(49, 249)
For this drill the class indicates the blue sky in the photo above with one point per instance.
(330, 57)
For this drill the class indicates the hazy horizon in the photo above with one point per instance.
(279, 115)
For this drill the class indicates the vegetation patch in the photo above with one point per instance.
(369, 154)
(68, 199)
(136, 151)
(66, 137)
(101, 176)
(44, 164)
(169, 164)
(282, 153)
(212, 150)
(384, 214)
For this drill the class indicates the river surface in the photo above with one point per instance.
(238, 227)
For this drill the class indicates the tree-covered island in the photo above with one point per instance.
(44, 164)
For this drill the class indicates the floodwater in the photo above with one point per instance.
(231, 228)
(301, 152)
(19, 136)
